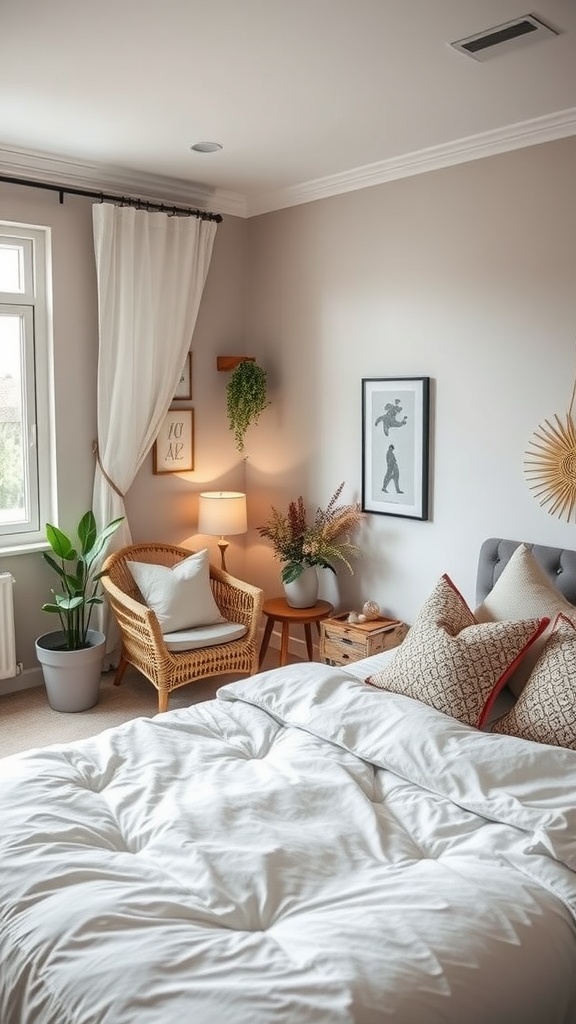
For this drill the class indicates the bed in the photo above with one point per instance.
(307, 848)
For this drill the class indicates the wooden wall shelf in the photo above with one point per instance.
(230, 362)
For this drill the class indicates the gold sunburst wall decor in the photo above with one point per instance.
(550, 465)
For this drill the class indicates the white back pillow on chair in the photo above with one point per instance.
(180, 596)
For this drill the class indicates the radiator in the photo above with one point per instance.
(7, 635)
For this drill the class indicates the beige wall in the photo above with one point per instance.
(466, 275)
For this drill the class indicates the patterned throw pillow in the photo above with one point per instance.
(451, 661)
(546, 709)
(523, 591)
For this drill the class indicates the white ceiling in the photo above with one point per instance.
(308, 98)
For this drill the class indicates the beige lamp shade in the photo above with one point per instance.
(222, 513)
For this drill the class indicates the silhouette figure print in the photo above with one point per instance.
(392, 471)
(389, 417)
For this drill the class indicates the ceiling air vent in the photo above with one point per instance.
(502, 38)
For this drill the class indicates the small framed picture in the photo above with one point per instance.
(173, 450)
(395, 446)
(184, 389)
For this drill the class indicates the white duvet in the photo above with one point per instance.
(303, 850)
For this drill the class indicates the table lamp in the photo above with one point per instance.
(219, 513)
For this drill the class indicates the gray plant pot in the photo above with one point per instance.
(72, 678)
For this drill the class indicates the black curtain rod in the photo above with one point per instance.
(139, 204)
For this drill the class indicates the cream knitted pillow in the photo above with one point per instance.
(523, 591)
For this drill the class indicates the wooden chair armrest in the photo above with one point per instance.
(237, 600)
(133, 616)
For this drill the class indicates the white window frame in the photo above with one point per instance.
(35, 306)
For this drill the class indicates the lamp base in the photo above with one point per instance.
(223, 544)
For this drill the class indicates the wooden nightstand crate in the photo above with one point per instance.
(342, 642)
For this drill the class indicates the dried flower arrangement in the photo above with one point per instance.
(322, 542)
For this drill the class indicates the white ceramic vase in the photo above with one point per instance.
(303, 592)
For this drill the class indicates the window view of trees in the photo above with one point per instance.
(11, 450)
(27, 490)
(12, 465)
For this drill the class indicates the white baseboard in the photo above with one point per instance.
(33, 676)
(24, 681)
(296, 645)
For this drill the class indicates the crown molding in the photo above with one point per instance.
(58, 170)
(474, 147)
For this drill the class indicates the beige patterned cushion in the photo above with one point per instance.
(523, 591)
(452, 662)
(546, 709)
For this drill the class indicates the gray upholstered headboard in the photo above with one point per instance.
(559, 564)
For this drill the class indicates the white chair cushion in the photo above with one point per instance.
(180, 596)
(204, 636)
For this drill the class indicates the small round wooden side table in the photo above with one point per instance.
(277, 609)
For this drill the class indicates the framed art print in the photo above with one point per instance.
(174, 447)
(184, 387)
(395, 443)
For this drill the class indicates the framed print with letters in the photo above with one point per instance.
(395, 446)
(174, 447)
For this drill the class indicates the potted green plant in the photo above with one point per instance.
(72, 656)
(246, 398)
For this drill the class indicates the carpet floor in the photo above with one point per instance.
(27, 720)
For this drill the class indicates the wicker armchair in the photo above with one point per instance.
(142, 642)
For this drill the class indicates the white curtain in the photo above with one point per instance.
(151, 269)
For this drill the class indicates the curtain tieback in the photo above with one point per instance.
(96, 452)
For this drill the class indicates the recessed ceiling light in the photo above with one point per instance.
(206, 147)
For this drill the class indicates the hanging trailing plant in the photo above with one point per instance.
(246, 398)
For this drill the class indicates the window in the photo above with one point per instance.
(26, 420)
